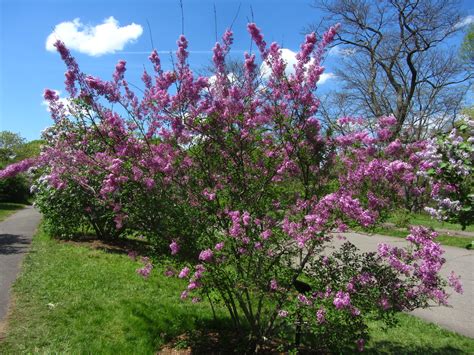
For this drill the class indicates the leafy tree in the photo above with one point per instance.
(467, 47)
(14, 148)
(10, 143)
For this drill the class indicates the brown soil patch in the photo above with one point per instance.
(116, 246)
(213, 343)
(4, 322)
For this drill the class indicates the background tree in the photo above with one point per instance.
(14, 148)
(10, 143)
(467, 47)
(396, 60)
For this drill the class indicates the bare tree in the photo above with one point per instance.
(396, 58)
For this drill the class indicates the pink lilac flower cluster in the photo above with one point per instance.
(420, 265)
(16, 168)
(206, 255)
(174, 247)
(146, 269)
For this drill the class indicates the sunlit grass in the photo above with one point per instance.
(426, 220)
(74, 299)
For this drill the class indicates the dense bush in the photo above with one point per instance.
(15, 189)
(449, 164)
(246, 188)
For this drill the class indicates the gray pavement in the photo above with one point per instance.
(459, 316)
(16, 233)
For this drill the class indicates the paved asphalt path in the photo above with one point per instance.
(16, 233)
(459, 317)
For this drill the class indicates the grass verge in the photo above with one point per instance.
(420, 219)
(76, 299)
(8, 208)
(450, 240)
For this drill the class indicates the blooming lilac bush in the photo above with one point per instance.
(238, 181)
(448, 163)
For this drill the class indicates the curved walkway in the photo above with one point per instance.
(459, 316)
(16, 233)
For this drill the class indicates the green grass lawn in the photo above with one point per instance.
(422, 220)
(8, 208)
(453, 241)
(76, 299)
(426, 220)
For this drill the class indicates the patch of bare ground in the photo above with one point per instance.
(4, 322)
(224, 342)
(115, 246)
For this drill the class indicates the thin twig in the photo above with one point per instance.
(215, 21)
(151, 36)
(235, 17)
(182, 16)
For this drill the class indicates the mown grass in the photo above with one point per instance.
(8, 208)
(74, 299)
(460, 242)
(415, 336)
(422, 219)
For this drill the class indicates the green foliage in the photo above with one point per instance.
(401, 218)
(10, 144)
(14, 148)
(14, 189)
(467, 47)
(69, 211)
(455, 169)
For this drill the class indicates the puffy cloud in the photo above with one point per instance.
(231, 77)
(107, 37)
(325, 77)
(466, 21)
(339, 51)
(290, 58)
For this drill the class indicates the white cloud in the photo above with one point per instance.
(325, 77)
(107, 37)
(334, 51)
(290, 58)
(231, 77)
(342, 51)
(466, 21)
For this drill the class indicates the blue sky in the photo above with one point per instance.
(27, 67)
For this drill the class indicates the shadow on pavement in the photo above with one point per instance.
(13, 244)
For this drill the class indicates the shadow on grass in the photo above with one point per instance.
(214, 339)
(112, 246)
(179, 331)
(187, 332)
(7, 206)
(182, 333)
(387, 347)
(13, 244)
